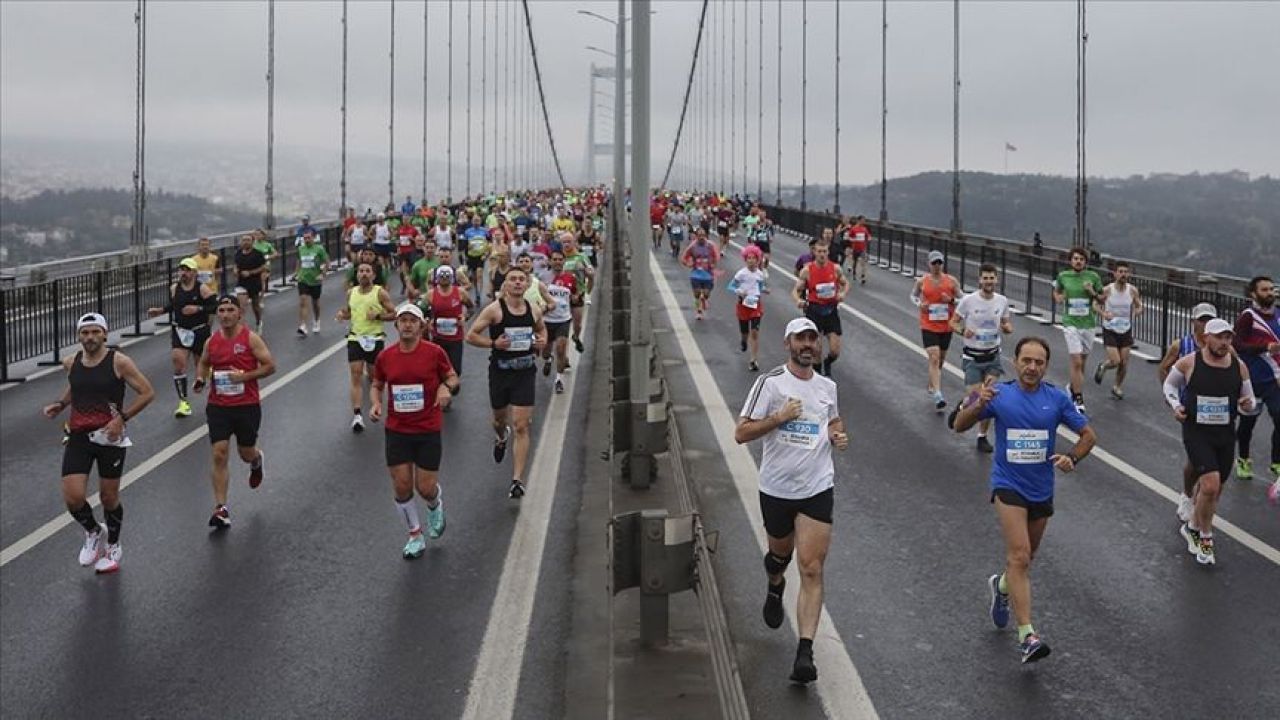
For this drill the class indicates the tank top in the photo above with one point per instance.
(205, 270)
(183, 297)
(823, 285)
(1187, 345)
(1211, 397)
(935, 315)
(94, 392)
(446, 309)
(518, 329)
(701, 256)
(443, 237)
(227, 355)
(499, 277)
(360, 304)
(1120, 304)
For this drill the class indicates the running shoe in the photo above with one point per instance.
(559, 386)
(577, 343)
(517, 490)
(183, 409)
(753, 366)
(221, 518)
(255, 471)
(500, 446)
(1033, 648)
(357, 423)
(984, 445)
(1117, 393)
(697, 314)
(1100, 372)
(803, 671)
(1275, 470)
(415, 547)
(939, 401)
(743, 346)
(1204, 553)
(1192, 536)
(1244, 468)
(92, 548)
(302, 331)
(1273, 492)
(1186, 506)
(546, 367)
(315, 327)
(110, 560)
(435, 521)
(773, 610)
(999, 602)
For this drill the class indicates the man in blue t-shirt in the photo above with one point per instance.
(1027, 412)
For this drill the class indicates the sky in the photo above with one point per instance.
(1172, 86)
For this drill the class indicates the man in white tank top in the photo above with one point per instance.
(1119, 306)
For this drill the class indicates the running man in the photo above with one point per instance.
(1077, 289)
(1207, 390)
(936, 294)
(1188, 344)
(748, 284)
(476, 241)
(313, 263)
(701, 257)
(796, 412)
(980, 318)
(96, 378)
(1120, 305)
(368, 306)
(208, 263)
(235, 358)
(577, 263)
(1027, 412)
(859, 246)
(820, 288)
(1257, 340)
(252, 269)
(421, 383)
(562, 288)
(515, 333)
(448, 305)
(190, 305)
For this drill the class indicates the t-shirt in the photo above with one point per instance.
(859, 237)
(796, 461)
(266, 247)
(311, 261)
(1078, 309)
(561, 288)
(1026, 427)
(983, 317)
(421, 272)
(246, 261)
(412, 379)
(748, 285)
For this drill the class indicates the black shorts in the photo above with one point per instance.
(780, 514)
(475, 265)
(383, 249)
(745, 325)
(1117, 340)
(311, 290)
(452, 348)
(79, 455)
(857, 254)
(512, 387)
(1035, 510)
(421, 449)
(355, 353)
(766, 246)
(828, 322)
(577, 302)
(239, 420)
(936, 339)
(197, 344)
(558, 330)
(1210, 450)
(252, 288)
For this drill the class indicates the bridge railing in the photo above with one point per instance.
(40, 318)
(1027, 272)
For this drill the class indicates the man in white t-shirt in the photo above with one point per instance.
(981, 318)
(795, 410)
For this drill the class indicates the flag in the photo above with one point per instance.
(1009, 147)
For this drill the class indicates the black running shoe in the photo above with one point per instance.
(255, 472)
(500, 446)
(517, 490)
(804, 671)
(984, 446)
(546, 367)
(577, 344)
(773, 610)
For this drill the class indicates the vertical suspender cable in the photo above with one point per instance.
(537, 74)
(136, 244)
(836, 208)
(342, 182)
(804, 104)
(425, 44)
(779, 143)
(448, 140)
(884, 110)
(391, 118)
(760, 102)
(468, 86)
(733, 96)
(955, 125)
(269, 220)
(746, 101)
(1082, 184)
(688, 89)
(484, 94)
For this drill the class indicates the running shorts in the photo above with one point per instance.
(700, 284)
(512, 387)
(1079, 340)
(749, 324)
(764, 245)
(936, 339)
(312, 291)
(1117, 340)
(780, 513)
(239, 420)
(79, 455)
(1035, 510)
(557, 330)
(976, 369)
(1210, 450)
(826, 317)
(475, 265)
(250, 286)
(421, 449)
(201, 336)
(355, 353)
(382, 249)
(452, 348)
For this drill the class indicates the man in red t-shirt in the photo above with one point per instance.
(422, 382)
(859, 241)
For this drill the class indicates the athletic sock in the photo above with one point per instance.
(1024, 631)
(409, 513)
(114, 519)
(180, 384)
(1003, 585)
(84, 516)
(357, 411)
(433, 503)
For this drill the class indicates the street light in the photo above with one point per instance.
(611, 21)
(593, 48)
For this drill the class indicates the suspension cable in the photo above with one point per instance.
(684, 107)
(448, 172)
(391, 118)
(342, 183)
(542, 98)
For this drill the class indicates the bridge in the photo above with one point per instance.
(628, 582)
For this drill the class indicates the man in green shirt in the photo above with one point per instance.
(265, 245)
(423, 270)
(313, 261)
(577, 263)
(1076, 289)
(366, 254)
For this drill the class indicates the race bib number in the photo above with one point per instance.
(986, 338)
(1026, 447)
(803, 432)
(475, 246)
(1078, 307)
(826, 290)
(204, 276)
(589, 250)
(1213, 410)
(939, 312)
(222, 384)
(521, 338)
(522, 229)
(723, 225)
(368, 343)
(447, 326)
(408, 398)
(308, 262)
(186, 337)
(1118, 324)
(751, 301)
(405, 241)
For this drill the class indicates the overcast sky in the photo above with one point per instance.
(1173, 86)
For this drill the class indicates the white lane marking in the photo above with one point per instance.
(839, 684)
(1235, 531)
(47, 530)
(496, 679)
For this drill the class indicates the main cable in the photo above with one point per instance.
(542, 98)
(684, 107)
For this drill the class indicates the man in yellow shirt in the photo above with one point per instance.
(207, 265)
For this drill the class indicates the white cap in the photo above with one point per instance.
(411, 309)
(1204, 309)
(92, 319)
(936, 256)
(444, 271)
(799, 325)
(1218, 326)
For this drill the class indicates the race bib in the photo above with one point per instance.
(802, 432)
(222, 384)
(475, 246)
(1118, 325)
(1026, 447)
(185, 336)
(368, 343)
(522, 229)
(939, 312)
(447, 326)
(521, 338)
(589, 250)
(1078, 307)
(204, 276)
(405, 241)
(826, 290)
(1213, 410)
(722, 225)
(986, 338)
(751, 301)
(408, 398)
(308, 262)
(99, 437)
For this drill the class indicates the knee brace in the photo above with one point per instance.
(775, 565)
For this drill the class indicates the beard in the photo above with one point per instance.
(803, 358)
(1268, 302)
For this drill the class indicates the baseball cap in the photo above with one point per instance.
(936, 256)
(411, 309)
(89, 319)
(188, 263)
(224, 299)
(800, 325)
(1217, 326)
(1204, 310)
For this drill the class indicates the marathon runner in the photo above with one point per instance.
(980, 318)
(189, 307)
(748, 284)
(366, 256)
(422, 274)
(701, 257)
(935, 294)
(421, 383)
(798, 415)
(208, 263)
(820, 288)
(859, 246)
(357, 241)
(382, 245)
(476, 241)
(1120, 305)
(313, 263)
(235, 359)
(501, 266)
(578, 264)
(677, 223)
(590, 244)
(251, 277)
(368, 306)
(562, 287)
(1257, 340)
(515, 333)
(1188, 344)
(448, 305)
(1077, 289)
(96, 378)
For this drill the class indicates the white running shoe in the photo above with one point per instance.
(92, 548)
(357, 423)
(315, 326)
(1185, 507)
(110, 560)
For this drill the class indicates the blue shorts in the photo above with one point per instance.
(702, 284)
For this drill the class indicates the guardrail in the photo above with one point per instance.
(40, 319)
(1027, 273)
